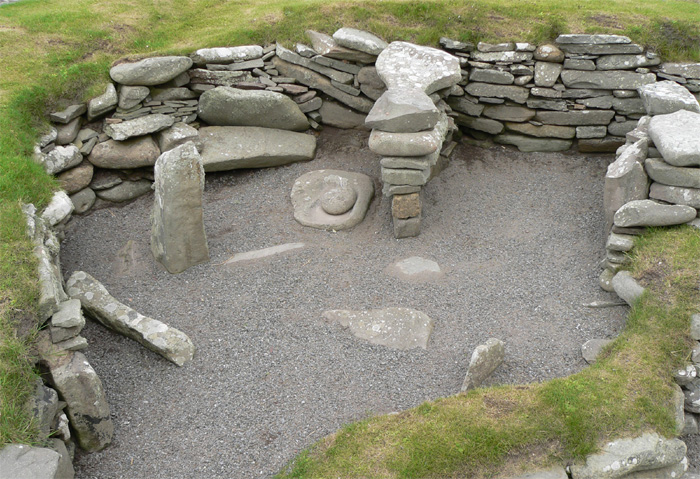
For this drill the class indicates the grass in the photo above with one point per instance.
(57, 52)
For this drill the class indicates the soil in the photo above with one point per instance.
(518, 236)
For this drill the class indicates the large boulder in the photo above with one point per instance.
(675, 136)
(234, 147)
(177, 225)
(150, 71)
(132, 153)
(666, 97)
(155, 335)
(225, 106)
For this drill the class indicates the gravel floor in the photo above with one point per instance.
(519, 237)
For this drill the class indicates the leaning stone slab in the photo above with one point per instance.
(177, 225)
(132, 153)
(662, 172)
(608, 80)
(517, 94)
(225, 106)
(331, 199)
(408, 144)
(51, 292)
(359, 40)
(291, 57)
(234, 147)
(530, 144)
(675, 136)
(150, 71)
(169, 342)
(61, 158)
(327, 46)
(79, 386)
(625, 180)
(625, 456)
(403, 111)
(485, 359)
(651, 213)
(103, 104)
(224, 55)
(19, 461)
(43, 407)
(666, 97)
(139, 126)
(405, 66)
(396, 328)
(675, 195)
(626, 287)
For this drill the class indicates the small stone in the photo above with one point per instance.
(591, 132)
(58, 209)
(547, 74)
(131, 96)
(590, 350)
(685, 376)
(495, 47)
(626, 287)
(406, 206)
(225, 55)
(407, 228)
(491, 76)
(417, 268)
(605, 280)
(69, 114)
(484, 361)
(69, 315)
(618, 242)
(549, 53)
(77, 343)
(103, 104)
(77, 178)
(178, 134)
(67, 133)
(338, 199)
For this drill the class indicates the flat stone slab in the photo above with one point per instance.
(233, 147)
(517, 94)
(263, 253)
(661, 172)
(666, 97)
(224, 55)
(138, 126)
(359, 40)
(416, 269)
(405, 66)
(327, 46)
(484, 361)
(606, 80)
(594, 39)
(226, 106)
(331, 199)
(160, 338)
(396, 328)
(530, 144)
(675, 195)
(150, 71)
(676, 137)
(651, 213)
(403, 111)
(408, 144)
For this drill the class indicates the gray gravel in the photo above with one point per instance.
(519, 236)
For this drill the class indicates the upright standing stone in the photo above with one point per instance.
(177, 236)
(625, 180)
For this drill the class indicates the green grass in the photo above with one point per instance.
(56, 52)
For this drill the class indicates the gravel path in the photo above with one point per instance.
(519, 237)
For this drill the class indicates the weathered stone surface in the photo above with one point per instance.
(625, 62)
(609, 144)
(407, 228)
(651, 213)
(501, 57)
(331, 199)
(685, 376)
(405, 66)
(69, 114)
(396, 328)
(666, 97)
(675, 194)
(416, 268)
(225, 106)
(340, 116)
(593, 39)
(449, 44)
(591, 349)
(69, 315)
(408, 144)
(509, 113)
(103, 104)
(675, 136)
(346, 67)
(626, 287)
(403, 176)
(233, 147)
(173, 94)
(19, 461)
(61, 158)
(325, 45)
(176, 135)
(464, 105)
(625, 456)
(575, 118)
(547, 74)
(335, 75)
(150, 71)
(169, 342)
(628, 106)
(491, 76)
(695, 327)
(406, 206)
(530, 144)
(67, 133)
(605, 280)
(319, 82)
(553, 473)
(609, 80)
(177, 226)
(544, 131)
(139, 126)
(484, 361)
(359, 40)
(125, 191)
(77, 178)
(517, 94)
(495, 47)
(224, 55)
(132, 153)
(619, 242)
(130, 96)
(625, 180)
(621, 128)
(549, 53)
(403, 111)
(486, 125)
(692, 400)
(78, 385)
(58, 209)
(602, 49)
(43, 407)
(591, 132)
(686, 70)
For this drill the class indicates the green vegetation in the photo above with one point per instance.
(57, 52)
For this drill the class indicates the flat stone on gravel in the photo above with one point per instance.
(150, 71)
(170, 343)
(666, 97)
(651, 213)
(417, 268)
(263, 253)
(119, 155)
(139, 126)
(225, 106)
(359, 40)
(396, 328)
(485, 359)
(675, 136)
(233, 147)
(591, 349)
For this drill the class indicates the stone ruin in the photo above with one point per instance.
(166, 121)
